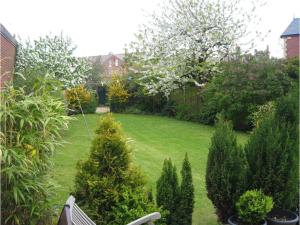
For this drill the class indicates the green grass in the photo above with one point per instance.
(153, 139)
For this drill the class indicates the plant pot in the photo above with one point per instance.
(290, 218)
(234, 221)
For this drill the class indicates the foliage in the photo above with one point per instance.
(77, 96)
(183, 40)
(52, 54)
(31, 128)
(263, 112)
(292, 67)
(245, 83)
(187, 201)
(253, 206)
(225, 171)
(168, 192)
(117, 93)
(93, 80)
(108, 181)
(272, 153)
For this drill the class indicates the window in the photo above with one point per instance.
(109, 63)
(116, 62)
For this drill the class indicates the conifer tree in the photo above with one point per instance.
(225, 171)
(107, 186)
(187, 201)
(272, 154)
(168, 192)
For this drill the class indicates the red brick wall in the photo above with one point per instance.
(109, 70)
(7, 57)
(292, 46)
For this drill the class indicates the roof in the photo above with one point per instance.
(293, 29)
(103, 58)
(4, 32)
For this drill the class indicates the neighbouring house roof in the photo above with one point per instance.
(4, 32)
(103, 58)
(293, 29)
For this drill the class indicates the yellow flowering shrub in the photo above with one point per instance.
(117, 91)
(76, 96)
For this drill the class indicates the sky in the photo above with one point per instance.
(98, 27)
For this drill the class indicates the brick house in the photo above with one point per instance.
(291, 39)
(111, 63)
(8, 48)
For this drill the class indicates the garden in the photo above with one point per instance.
(200, 130)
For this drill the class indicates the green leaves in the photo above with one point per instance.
(253, 206)
(225, 171)
(107, 185)
(31, 128)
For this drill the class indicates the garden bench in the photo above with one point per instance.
(73, 215)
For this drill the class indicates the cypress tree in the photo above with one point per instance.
(272, 154)
(107, 182)
(187, 201)
(168, 192)
(225, 171)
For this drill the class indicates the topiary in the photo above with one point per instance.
(168, 193)
(253, 206)
(107, 182)
(225, 171)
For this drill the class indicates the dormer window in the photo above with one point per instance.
(116, 62)
(109, 63)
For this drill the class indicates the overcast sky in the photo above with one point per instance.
(103, 26)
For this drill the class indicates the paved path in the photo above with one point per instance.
(102, 109)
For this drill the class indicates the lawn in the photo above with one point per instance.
(153, 139)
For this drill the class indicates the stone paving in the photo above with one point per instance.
(102, 109)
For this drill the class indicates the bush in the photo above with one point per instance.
(31, 128)
(77, 97)
(90, 107)
(272, 153)
(243, 85)
(262, 112)
(117, 94)
(225, 171)
(186, 205)
(168, 192)
(107, 184)
(253, 206)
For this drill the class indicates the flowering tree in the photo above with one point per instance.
(53, 54)
(183, 42)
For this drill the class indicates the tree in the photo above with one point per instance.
(168, 192)
(185, 38)
(52, 54)
(244, 84)
(187, 201)
(273, 155)
(225, 171)
(107, 185)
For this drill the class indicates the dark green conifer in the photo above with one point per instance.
(225, 171)
(168, 192)
(273, 155)
(187, 201)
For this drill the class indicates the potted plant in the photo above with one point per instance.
(282, 217)
(252, 208)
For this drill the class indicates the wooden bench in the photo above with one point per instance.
(73, 215)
